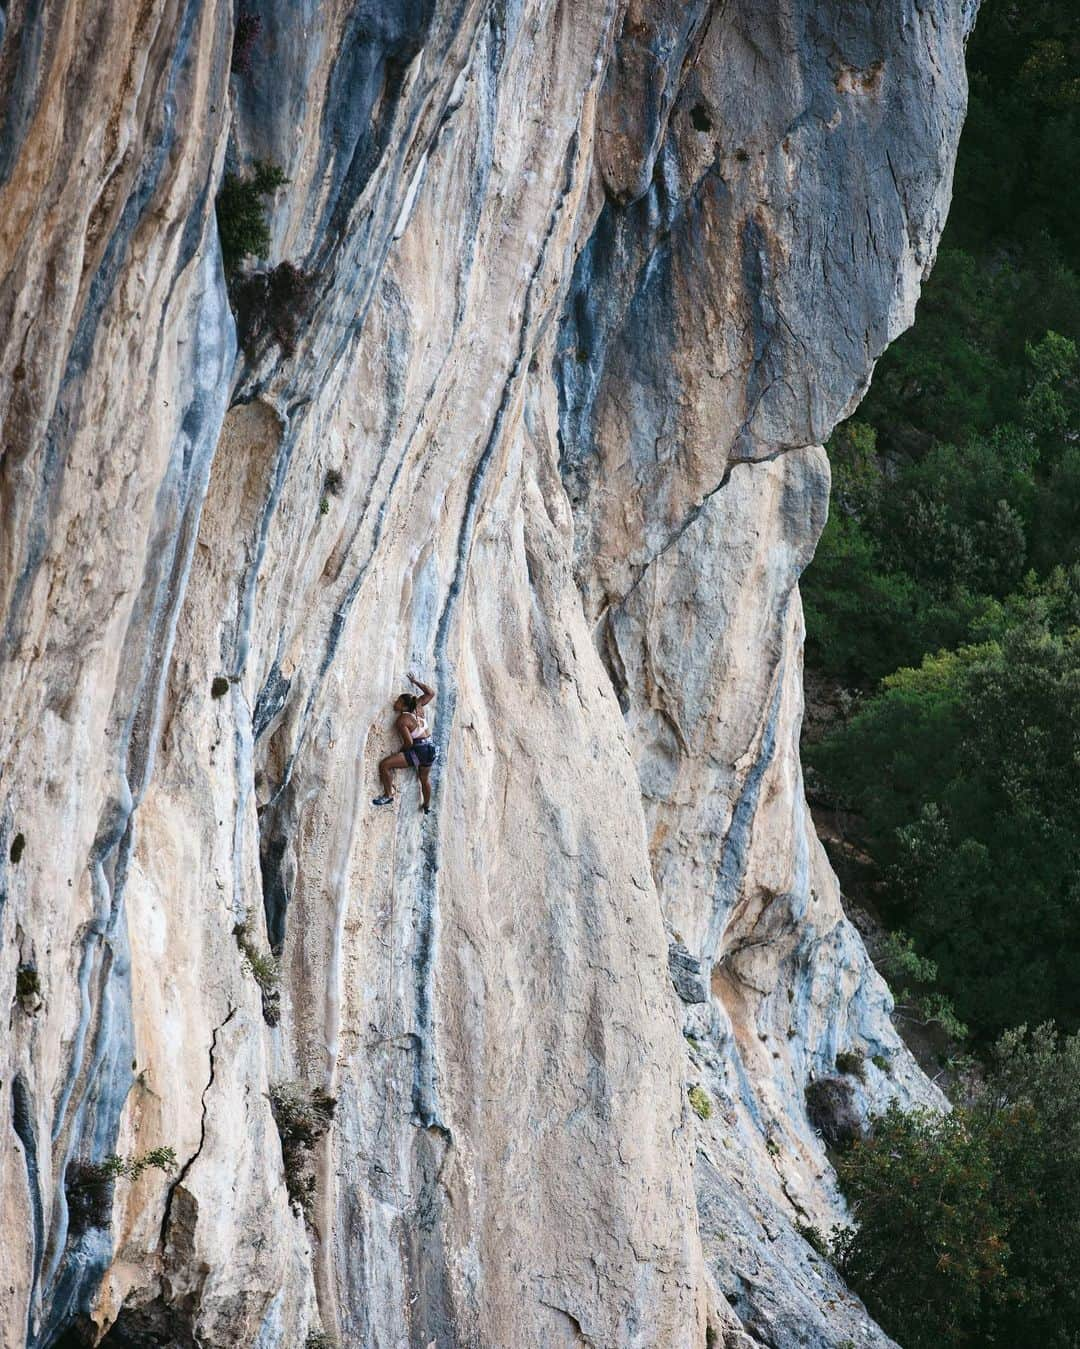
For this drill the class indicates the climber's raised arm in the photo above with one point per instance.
(429, 692)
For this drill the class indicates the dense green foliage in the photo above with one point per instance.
(918, 548)
(243, 226)
(947, 582)
(965, 771)
(928, 1249)
(968, 1224)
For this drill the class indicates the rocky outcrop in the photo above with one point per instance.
(560, 302)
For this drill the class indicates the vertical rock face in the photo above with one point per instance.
(578, 291)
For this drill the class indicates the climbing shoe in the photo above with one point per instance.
(383, 801)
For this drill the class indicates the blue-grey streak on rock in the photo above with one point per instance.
(22, 1116)
(20, 69)
(88, 1113)
(644, 78)
(377, 46)
(347, 240)
(620, 296)
(733, 854)
(270, 701)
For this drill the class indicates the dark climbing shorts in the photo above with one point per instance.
(421, 754)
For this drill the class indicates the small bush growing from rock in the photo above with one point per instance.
(18, 844)
(847, 1061)
(814, 1237)
(881, 1063)
(263, 966)
(219, 686)
(271, 307)
(163, 1159)
(243, 227)
(245, 35)
(333, 482)
(319, 1339)
(89, 1186)
(832, 1109)
(700, 1102)
(266, 973)
(302, 1115)
(28, 988)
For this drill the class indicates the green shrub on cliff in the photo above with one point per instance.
(302, 1114)
(89, 1186)
(243, 227)
(700, 1103)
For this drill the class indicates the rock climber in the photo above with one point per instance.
(419, 751)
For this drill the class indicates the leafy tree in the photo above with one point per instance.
(869, 608)
(964, 770)
(966, 1226)
(915, 548)
(975, 413)
(1030, 1111)
(911, 978)
(1017, 177)
(927, 1252)
(955, 374)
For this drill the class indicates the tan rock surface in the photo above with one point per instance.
(569, 269)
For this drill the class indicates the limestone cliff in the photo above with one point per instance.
(574, 293)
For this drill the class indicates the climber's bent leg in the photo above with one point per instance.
(424, 774)
(386, 766)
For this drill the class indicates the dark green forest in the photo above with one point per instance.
(945, 598)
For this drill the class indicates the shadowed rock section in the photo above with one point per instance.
(567, 297)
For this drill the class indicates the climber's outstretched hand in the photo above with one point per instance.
(428, 691)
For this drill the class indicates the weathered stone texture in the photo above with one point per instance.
(586, 287)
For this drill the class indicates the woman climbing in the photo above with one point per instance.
(419, 752)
